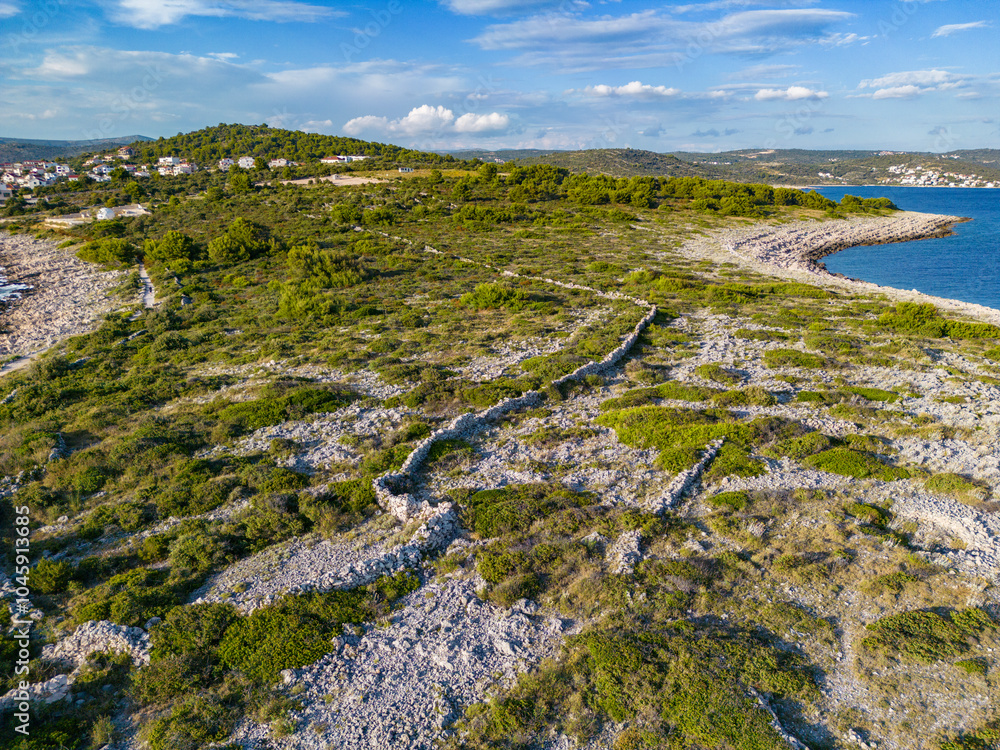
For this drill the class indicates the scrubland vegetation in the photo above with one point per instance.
(776, 596)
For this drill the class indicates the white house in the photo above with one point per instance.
(184, 168)
(105, 213)
(406, 169)
(169, 161)
(5, 192)
(278, 163)
(225, 164)
(63, 169)
(246, 162)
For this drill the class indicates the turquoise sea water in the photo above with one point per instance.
(965, 266)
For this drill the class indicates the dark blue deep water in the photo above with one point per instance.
(965, 266)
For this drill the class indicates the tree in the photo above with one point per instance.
(173, 246)
(239, 181)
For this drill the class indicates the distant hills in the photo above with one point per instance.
(29, 149)
(771, 166)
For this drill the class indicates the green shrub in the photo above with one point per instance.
(109, 252)
(799, 447)
(191, 724)
(891, 582)
(49, 577)
(297, 630)
(874, 394)
(515, 508)
(976, 667)
(857, 464)
(987, 737)
(493, 296)
(731, 501)
(775, 358)
(927, 636)
(718, 373)
(958, 486)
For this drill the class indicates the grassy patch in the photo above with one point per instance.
(858, 464)
(927, 636)
(775, 358)
(966, 489)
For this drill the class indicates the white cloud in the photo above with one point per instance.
(911, 83)
(429, 120)
(634, 89)
(367, 123)
(423, 119)
(652, 38)
(315, 126)
(923, 78)
(151, 14)
(898, 92)
(500, 7)
(791, 94)
(8, 9)
(950, 28)
(473, 123)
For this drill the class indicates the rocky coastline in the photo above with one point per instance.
(802, 244)
(68, 296)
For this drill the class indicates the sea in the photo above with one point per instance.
(964, 266)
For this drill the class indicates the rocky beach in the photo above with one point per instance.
(68, 296)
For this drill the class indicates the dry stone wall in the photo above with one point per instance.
(390, 488)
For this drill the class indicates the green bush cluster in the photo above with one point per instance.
(513, 509)
(112, 251)
(682, 434)
(925, 320)
(494, 296)
(927, 636)
(858, 464)
(676, 688)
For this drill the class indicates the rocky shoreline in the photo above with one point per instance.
(801, 244)
(68, 296)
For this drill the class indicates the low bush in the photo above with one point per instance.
(494, 296)
(515, 508)
(927, 636)
(775, 358)
(857, 464)
(963, 488)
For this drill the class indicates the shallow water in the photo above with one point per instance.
(964, 266)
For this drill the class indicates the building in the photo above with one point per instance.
(406, 169)
(246, 162)
(5, 192)
(104, 214)
(274, 163)
(169, 161)
(126, 152)
(225, 164)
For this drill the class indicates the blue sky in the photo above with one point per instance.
(920, 75)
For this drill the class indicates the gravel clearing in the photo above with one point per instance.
(401, 683)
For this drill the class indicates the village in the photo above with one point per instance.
(29, 175)
(920, 176)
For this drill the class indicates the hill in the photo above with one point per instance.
(28, 149)
(210, 144)
(782, 166)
